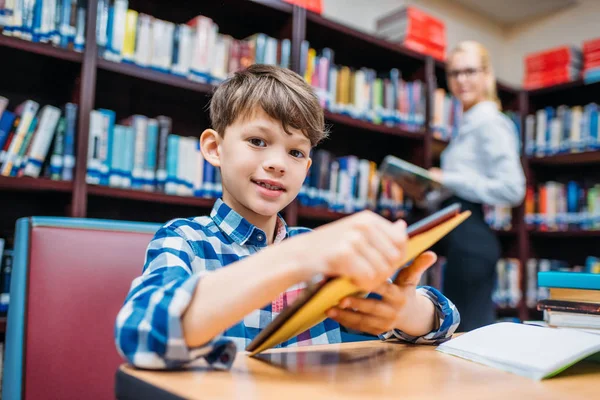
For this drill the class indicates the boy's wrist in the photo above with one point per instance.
(287, 257)
(417, 317)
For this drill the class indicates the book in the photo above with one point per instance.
(416, 181)
(400, 170)
(531, 351)
(569, 280)
(310, 307)
(577, 307)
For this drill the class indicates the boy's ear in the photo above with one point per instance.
(210, 145)
(308, 164)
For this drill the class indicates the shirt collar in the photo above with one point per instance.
(480, 111)
(240, 230)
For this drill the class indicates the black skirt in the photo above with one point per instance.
(472, 251)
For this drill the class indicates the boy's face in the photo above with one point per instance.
(262, 166)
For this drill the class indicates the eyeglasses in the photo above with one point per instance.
(468, 72)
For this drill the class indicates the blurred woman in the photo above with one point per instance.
(481, 165)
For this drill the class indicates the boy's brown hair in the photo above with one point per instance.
(280, 92)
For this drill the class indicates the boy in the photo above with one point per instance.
(186, 305)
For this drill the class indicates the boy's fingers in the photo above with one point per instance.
(412, 274)
(396, 231)
(386, 247)
(359, 322)
(369, 307)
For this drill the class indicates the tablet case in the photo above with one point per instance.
(310, 307)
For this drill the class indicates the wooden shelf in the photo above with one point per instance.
(566, 234)
(353, 35)
(557, 88)
(154, 76)
(505, 233)
(586, 157)
(368, 126)
(276, 5)
(35, 184)
(319, 213)
(152, 197)
(44, 49)
(503, 311)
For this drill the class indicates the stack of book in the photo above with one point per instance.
(563, 129)
(535, 293)
(37, 141)
(557, 206)
(141, 153)
(573, 301)
(416, 30)
(591, 60)
(194, 50)
(60, 22)
(378, 97)
(349, 184)
(551, 67)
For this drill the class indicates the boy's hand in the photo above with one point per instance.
(401, 307)
(364, 247)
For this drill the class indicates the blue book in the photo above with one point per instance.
(6, 122)
(151, 147)
(208, 180)
(69, 142)
(172, 153)
(591, 75)
(569, 280)
(106, 163)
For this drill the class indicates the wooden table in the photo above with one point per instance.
(362, 370)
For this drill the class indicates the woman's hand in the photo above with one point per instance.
(437, 174)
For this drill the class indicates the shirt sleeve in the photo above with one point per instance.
(503, 181)
(148, 330)
(447, 317)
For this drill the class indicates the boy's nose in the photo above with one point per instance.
(274, 165)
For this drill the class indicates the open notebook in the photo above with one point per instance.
(310, 307)
(531, 351)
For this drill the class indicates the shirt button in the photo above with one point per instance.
(259, 237)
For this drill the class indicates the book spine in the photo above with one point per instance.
(69, 149)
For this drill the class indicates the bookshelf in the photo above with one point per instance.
(55, 76)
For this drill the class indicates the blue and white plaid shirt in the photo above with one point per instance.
(148, 331)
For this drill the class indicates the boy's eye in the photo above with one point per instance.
(257, 142)
(297, 153)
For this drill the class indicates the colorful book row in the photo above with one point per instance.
(562, 129)
(349, 184)
(557, 206)
(194, 50)
(37, 141)
(60, 22)
(380, 97)
(142, 153)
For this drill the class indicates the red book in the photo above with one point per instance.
(553, 58)
(591, 46)
(311, 5)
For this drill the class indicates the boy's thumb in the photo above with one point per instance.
(412, 274)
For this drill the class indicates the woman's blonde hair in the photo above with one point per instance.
(491, 92)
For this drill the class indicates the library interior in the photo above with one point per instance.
(407, 199)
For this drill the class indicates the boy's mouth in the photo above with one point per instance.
(267, 184)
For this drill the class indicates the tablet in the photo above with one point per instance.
(310, 307)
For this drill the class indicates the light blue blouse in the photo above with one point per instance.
(481, 164)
